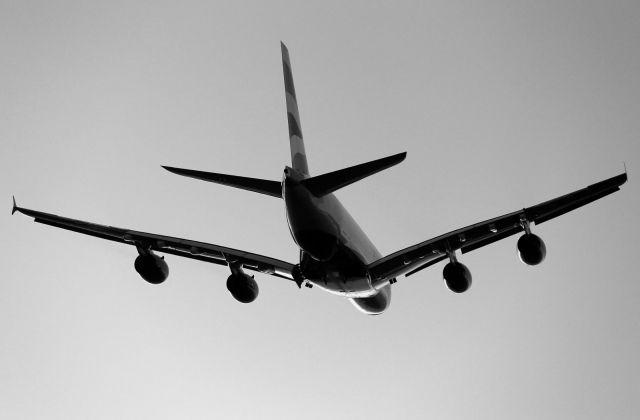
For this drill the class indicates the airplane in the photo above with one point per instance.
(335, 254)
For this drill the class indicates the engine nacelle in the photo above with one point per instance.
(531, 249)
(242, 287)
(457, 277)
(152, 268)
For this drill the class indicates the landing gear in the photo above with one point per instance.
(297, 275)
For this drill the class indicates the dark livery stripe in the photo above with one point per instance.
(288, 78)
(294, 129)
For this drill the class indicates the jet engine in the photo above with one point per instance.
(242, 287)
(457, 277)
(531, 249)
(152, 268)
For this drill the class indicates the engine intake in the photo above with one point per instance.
(152, 268)
(531, 249)
(457, 277)
(242, 287)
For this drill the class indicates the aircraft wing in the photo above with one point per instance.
(417, 257)
(166, 244)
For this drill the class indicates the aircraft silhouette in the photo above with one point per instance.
(335, 254)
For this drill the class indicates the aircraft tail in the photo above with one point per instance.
(318, 185)
(298, 154)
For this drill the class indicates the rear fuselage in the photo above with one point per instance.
(335, 251)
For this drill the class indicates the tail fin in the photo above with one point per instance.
(262, 186)
(325, 184)
(298, 155)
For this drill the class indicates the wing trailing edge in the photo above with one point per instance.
(187, 248)
(412, 259)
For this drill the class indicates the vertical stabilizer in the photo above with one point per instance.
(298, 155)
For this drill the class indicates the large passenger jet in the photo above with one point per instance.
(335, 254)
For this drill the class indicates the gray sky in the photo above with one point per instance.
(499, 104)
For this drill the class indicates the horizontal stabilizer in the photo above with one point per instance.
(327, 183)
(262, 186)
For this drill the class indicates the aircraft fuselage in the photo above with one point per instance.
(335, 251)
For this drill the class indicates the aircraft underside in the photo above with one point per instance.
(335, 254)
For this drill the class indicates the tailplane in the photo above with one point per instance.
(325, 184)
(262, 186)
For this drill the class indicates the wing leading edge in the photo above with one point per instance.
(424, 254)
(202, 251)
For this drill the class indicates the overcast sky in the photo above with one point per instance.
(499, 104)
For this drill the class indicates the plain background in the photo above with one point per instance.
(499, 104)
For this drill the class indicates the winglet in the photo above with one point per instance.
(13, 210)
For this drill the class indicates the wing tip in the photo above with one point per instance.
(15, 207)
(180, 171)
(285, 51)
(397, 158)
(169, 168)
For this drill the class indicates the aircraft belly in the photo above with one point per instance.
(347, 281)
(350, 288)
(344, 273)
(335, 251)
